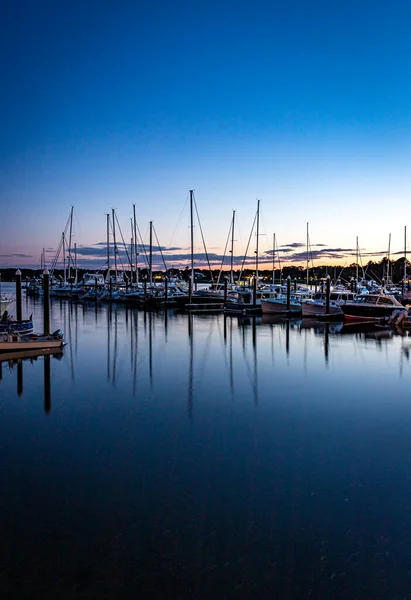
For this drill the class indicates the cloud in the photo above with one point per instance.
(16, 256)
(293, 245)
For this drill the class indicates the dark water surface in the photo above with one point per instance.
(203, 457)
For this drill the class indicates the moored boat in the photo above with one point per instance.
(368, 307)
(22, 327)
(13, 341)
(317, 306)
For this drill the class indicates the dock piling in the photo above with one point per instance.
(288, 293)
(46, 301)
(327, 295)
(18, 295)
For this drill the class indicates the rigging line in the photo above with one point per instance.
(56, 257)
(124, 243)
(246, 250)
(341, 272)
(159, 247)
(142, 245)
(225, 250)
(202, 237)
(179, 220)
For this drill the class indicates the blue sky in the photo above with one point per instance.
(305, 105)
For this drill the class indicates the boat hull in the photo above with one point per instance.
(21, 327)
(367, 313)
(314, 309)
(278, 308)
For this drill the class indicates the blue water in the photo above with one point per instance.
(202, 457)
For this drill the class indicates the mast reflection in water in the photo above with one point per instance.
(193, 456)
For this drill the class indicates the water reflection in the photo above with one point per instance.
(208, 457)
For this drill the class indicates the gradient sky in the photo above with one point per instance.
(305, 105)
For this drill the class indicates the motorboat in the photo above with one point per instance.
(317, 306)
(367, 307)
(13, 341)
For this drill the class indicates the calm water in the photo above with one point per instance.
(202, 457)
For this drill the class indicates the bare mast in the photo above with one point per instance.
(258, 235)
(135, 241)
(151, 254)
(232, 250)
(69, 247)
(307, 256)
(115, 246)
(108, 246)
(192, 237)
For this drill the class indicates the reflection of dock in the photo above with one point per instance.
(24, 354)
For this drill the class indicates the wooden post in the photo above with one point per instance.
(255, 290)
(46, 301)
(18, 295)
(165, 290)
(288, 293)
(190, 290)
(225, 289)
(327, 295)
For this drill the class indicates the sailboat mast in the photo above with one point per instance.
(273, 258)
(75, 263)
(131, 251)
(258, 235)
(307, 256)
(232, 250)
(135, 241)
(64, 257)
(192, 237)
(388, 261)
(69, 247)
(115, 245)
(151, 253)
(356, 263)
(108, 246)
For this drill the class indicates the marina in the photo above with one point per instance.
(172, 454)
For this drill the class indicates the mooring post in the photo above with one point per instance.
(18, 295)
(288, 293)
(225, 289)
(145, 287)
(327, 295)
(46, 301)
(255, 291)
(190, 290)
(295, 284)
(165, 290)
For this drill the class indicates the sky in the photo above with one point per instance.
(303, 105)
